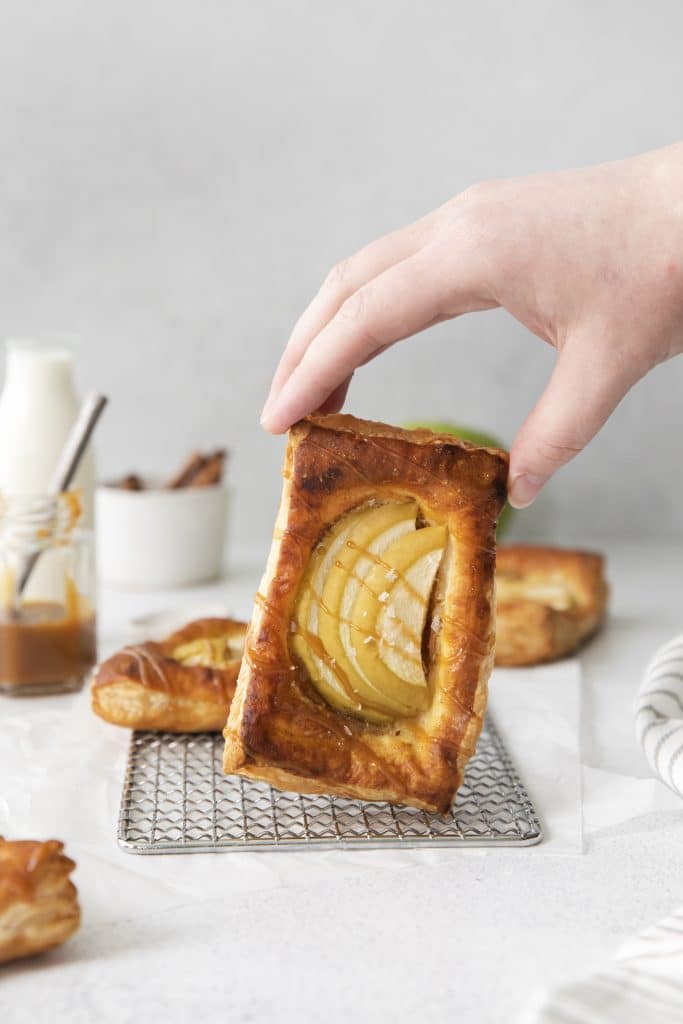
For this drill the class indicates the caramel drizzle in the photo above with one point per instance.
(394, 577)
(315, 644)
(340, 732)
(385, 565)
(143, 658)
(318, 649)
(368, 632)
(264, 604)
(401, 457)
(342, 458)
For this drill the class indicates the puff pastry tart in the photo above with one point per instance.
(548, 601)
(38, 902)
(367, 659)
(183, 684)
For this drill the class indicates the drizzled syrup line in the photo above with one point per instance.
(341, 458)
(385, 565)
(412, 462)
(366, 632)
(459, 624)
(143, 658)
(358, 700)
(363, 584)
(265, 668)
(265, 605)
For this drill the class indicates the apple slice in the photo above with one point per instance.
(551, 592)
(308, 605)
(361, 610)
(328, 676)
(393, 604)
(208, 652)
(378, 529)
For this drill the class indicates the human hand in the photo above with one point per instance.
(591, 261)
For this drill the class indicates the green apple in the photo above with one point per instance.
(477, 437)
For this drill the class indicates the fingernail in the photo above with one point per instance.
(524, 488)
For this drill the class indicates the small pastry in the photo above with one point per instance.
(367, 659)
(183, 684)
(548, 602)
(38, 901)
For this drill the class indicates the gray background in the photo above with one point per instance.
(177, 177)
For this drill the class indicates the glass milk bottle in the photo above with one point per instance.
(38, 407)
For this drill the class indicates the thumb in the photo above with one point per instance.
(586, 386)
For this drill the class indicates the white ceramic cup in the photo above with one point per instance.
(160, 538)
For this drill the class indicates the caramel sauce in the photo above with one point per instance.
(46, 644)
(264, 604)
(368, 632)
(350, 543)
(318, 649)
(146, 659)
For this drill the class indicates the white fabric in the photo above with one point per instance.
(646, 982)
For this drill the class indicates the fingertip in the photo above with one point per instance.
(271, 417)
(272, 424)
(524, 488)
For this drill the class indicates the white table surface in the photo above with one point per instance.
(377, 936)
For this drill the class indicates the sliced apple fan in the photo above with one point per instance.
(362, 609)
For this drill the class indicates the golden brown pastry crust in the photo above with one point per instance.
(549, 601)
(145, 687)
(279, 729)
(38, 902)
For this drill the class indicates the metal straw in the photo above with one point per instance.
(67, 465)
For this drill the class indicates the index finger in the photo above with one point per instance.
(342, 281)
(419, 291)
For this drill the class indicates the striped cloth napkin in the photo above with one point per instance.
(659, 714)
(644, 985)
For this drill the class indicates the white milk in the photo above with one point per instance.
(38, 407)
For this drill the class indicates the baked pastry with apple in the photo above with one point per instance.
(366, 668)
(549, 601)
(38, 901)
(184, 683)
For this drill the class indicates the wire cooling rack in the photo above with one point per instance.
(176, 799)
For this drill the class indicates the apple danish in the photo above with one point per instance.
(183, 684)
(366, 667)
(38, 901)
(548, 602)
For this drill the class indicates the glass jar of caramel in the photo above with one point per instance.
(47, 595)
